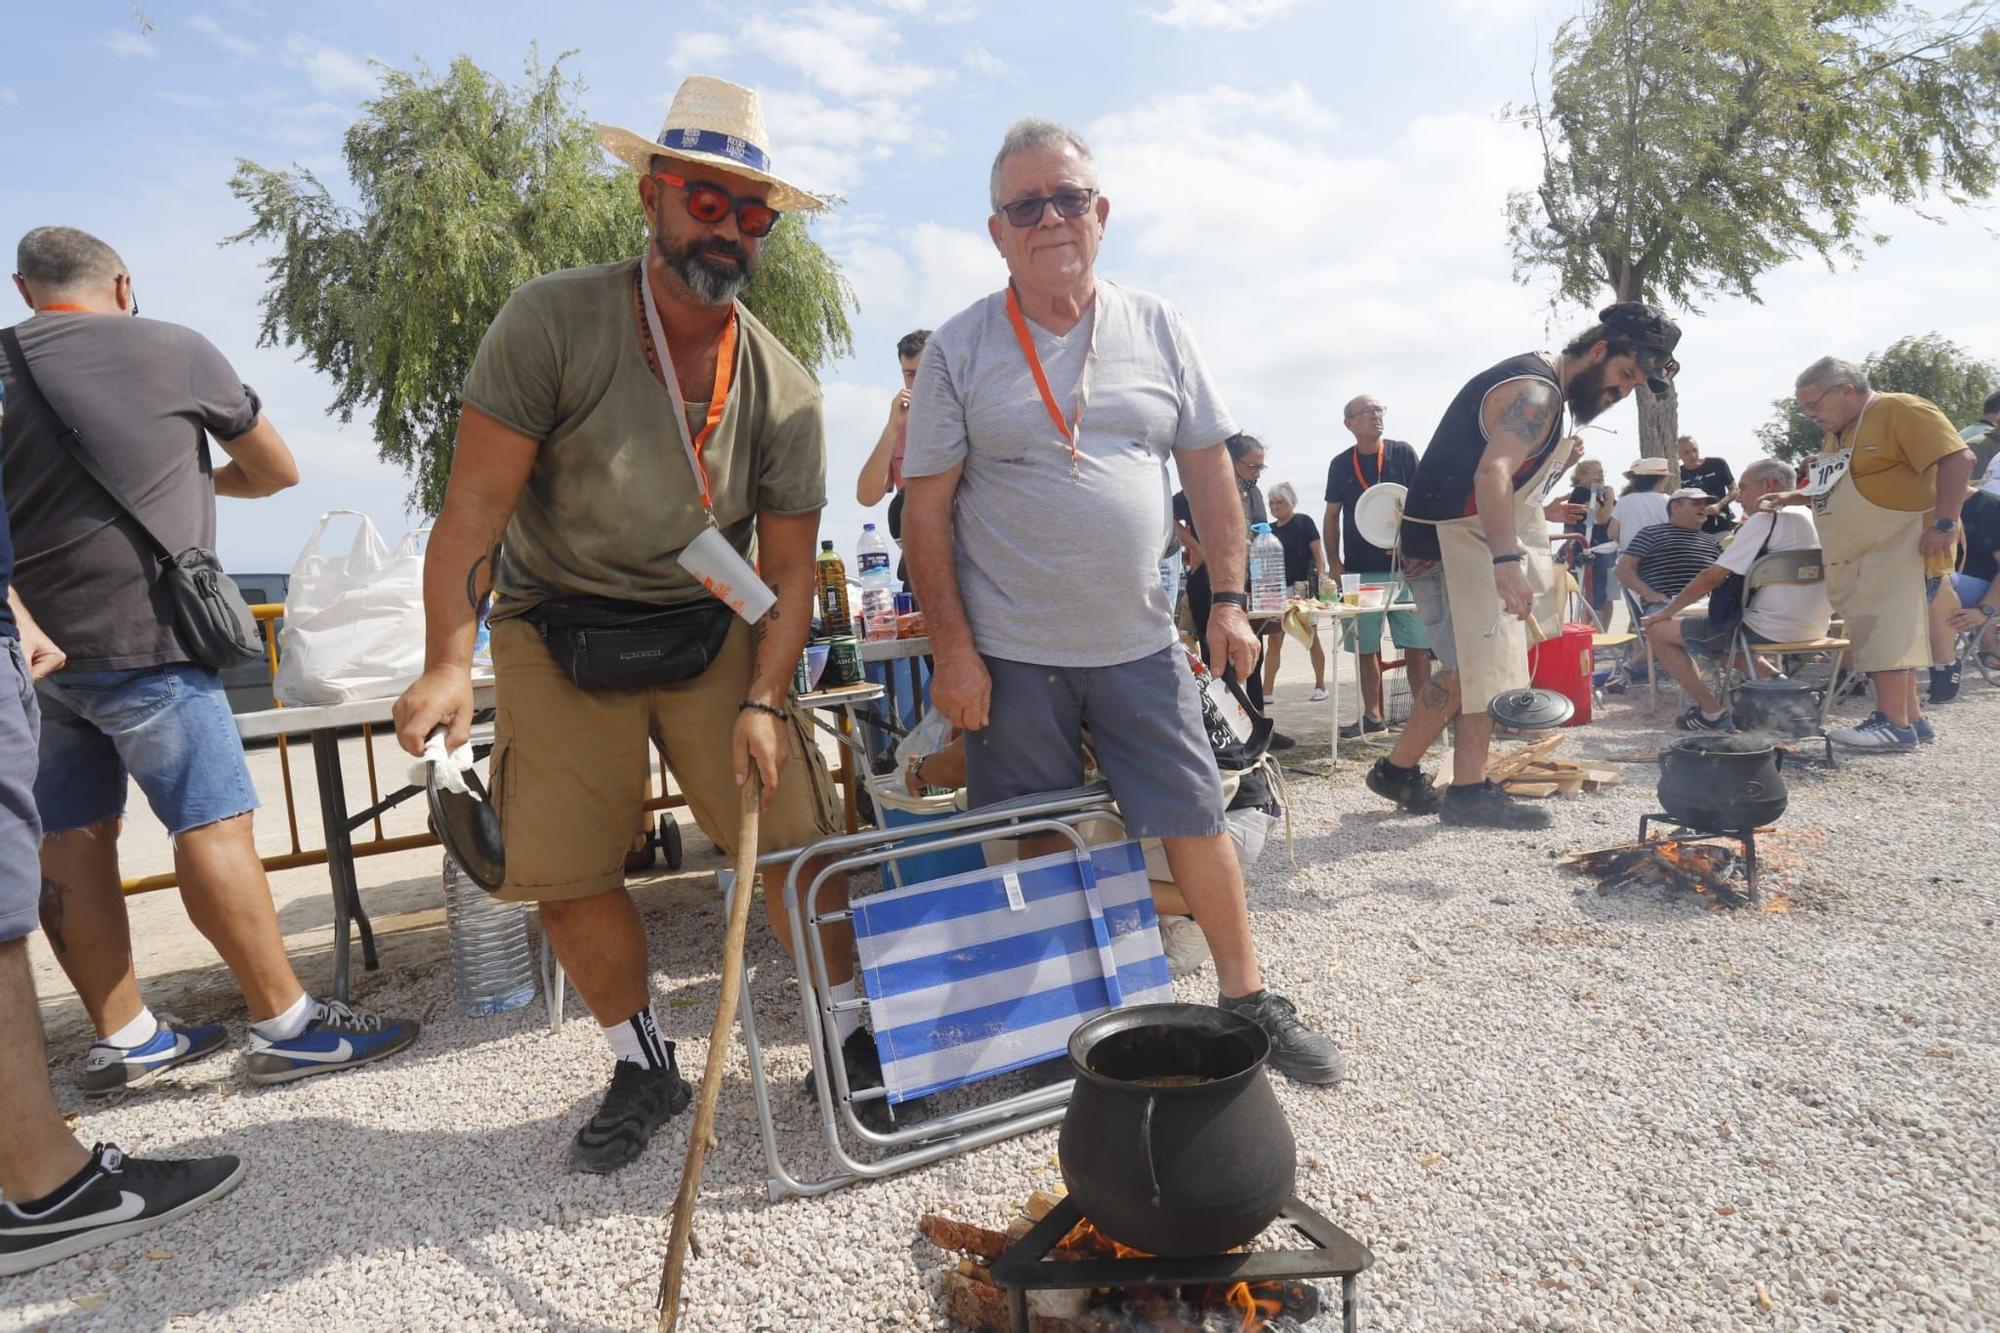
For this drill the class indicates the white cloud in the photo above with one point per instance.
(126, 42)
(982, 61)
(331, 71)
(1225, 15)
(696, 50)
(1485, 17)
(842, 50)
(241, 47)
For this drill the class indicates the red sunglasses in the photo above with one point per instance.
(711, 204)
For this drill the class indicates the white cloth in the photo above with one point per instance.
(1991, 482)
(1782, 612)
(1635, 513)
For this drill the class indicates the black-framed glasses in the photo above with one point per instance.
(1376, 411)
(711, 204)
(1069, 204)
(1824, 394)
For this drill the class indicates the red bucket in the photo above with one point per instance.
(1563, 663)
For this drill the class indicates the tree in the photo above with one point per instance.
(466, 188)
(1690, 146)
(1928, 365)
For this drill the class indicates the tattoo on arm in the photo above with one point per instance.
(1527, 416)
(491, 563)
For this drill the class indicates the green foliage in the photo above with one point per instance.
(1928, 365)
(465, 188)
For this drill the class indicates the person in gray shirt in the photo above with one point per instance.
(1041, 424)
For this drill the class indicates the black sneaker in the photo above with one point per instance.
(1280, 742)
(864, 1071)
(1415, 793)
(1696, 720)
(121, 1196)
(109, 1070)
(1362, 726)
(638, 1102)
(1944, 683)
(1486, 806)
(1297, 1052)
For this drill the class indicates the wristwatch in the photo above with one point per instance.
(1944, 525)
(1239, 600)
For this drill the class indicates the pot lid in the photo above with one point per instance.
(1531, 709)
(469, 828)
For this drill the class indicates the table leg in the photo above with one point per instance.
(1333, 702)
(339, 854)
(846, 748)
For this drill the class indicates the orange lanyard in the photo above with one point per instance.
(1360, 480)
(1067, 428)
(718, 398)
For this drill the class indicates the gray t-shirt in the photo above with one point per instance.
(1055, 571)
(145, 396)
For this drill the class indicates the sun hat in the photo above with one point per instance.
(1690, 493)
(1648, 467)
(712, 123)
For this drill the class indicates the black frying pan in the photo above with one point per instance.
(468, 826)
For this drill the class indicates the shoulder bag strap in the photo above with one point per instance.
(72, 440)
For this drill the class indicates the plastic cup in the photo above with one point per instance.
(727, 575)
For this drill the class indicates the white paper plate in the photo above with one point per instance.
(1378, 514)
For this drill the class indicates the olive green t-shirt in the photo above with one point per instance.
(612, 501)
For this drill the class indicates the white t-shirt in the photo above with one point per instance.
(1636, 512)
(1780, 612)
(1991, 483)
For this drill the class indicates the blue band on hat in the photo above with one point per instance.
(716, 144)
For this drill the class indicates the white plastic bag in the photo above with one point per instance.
(354, 624)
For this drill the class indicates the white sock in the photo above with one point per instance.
(1716, 716)
(285, 1026)
(846, 1021)
(135, 1033)
(638, 1039)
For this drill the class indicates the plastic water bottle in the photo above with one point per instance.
(878, 585)
(1267, 569)
(491, 962)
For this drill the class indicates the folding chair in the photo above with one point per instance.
(951, 1006)
(1801, 567)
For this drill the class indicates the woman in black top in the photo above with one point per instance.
(1305, 562)
(1713, 476)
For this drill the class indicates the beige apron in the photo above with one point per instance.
(1874, 577)
(1491, 666)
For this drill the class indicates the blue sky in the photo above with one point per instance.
(1318, 184)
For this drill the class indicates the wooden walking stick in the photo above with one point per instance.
(702, 1134)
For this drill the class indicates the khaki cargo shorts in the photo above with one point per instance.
(570, 767)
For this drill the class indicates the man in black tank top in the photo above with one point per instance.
(1466, 507)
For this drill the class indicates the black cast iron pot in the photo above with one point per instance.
(1722, 783)
(1174, 1142)
(1787, 708)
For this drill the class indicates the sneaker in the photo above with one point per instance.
(1618, 682)
(864, 1071)
(337, 1038)
(122, 1196)
(1414, 792)
(1877, 733)
(1185, 946)
(1696, 720)
(1926, 733)
(1319, 694)
(638, 1102)
(1362, 726)
(1486, 806)
(1944, 683)
(1297, 1051)
(109, 1070)
(1280, 741)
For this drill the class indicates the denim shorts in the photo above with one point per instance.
(1434, 608)
(20, 828)
(1145, 729)
(166, 727)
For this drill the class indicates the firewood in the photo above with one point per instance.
(1506, 766)
(975, 1270)
(952, 1235)
(1531, 788)
(1040, 1204)
(979, 1306)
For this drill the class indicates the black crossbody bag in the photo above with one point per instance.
(211, 619)
(602, 643)
(1726, 602)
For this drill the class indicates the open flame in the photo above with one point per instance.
(1257, 1305)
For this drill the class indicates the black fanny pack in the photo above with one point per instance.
(605, 644)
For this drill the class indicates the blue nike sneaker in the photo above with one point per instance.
(337, 1038)
(110, 1070)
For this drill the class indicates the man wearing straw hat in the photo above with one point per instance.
(1475, 545)
(1041, 424)
(615, 415)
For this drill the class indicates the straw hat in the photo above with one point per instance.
(1648, 467)
(712, 123)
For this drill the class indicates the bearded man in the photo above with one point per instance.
(1475, 544)
(613, 415)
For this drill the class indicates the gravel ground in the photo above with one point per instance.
(1563, 1110)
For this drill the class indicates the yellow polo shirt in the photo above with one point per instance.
(1897, 443)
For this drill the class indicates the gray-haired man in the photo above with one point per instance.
(1040, 427)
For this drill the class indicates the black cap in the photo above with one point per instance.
(1655, 334)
